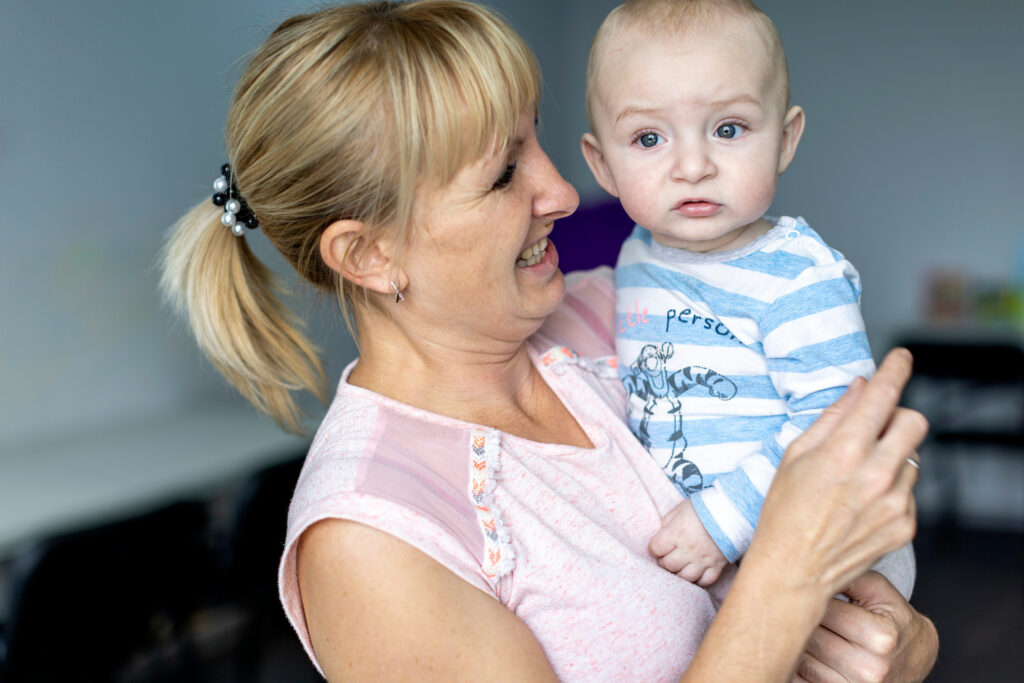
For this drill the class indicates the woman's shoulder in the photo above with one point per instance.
(393, 470)
(585, 319)
(375, 448)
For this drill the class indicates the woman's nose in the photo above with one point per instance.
(555, 197)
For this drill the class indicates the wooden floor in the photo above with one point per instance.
(971, 584)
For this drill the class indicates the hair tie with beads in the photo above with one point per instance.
(237, 214)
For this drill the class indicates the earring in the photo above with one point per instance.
(399, 298)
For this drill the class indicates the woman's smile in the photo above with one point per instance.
(532, 255)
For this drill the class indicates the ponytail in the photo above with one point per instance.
(231, 302)
(340, 114)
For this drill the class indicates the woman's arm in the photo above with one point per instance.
(842, 497)
(378, 609)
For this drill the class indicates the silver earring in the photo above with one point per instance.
(399, 298)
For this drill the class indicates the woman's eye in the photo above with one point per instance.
(648, 139)
(506, 176)
(729, 131)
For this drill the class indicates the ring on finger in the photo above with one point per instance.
(913, 463)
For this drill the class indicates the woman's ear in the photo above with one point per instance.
(598, 166)
(792, 130)
(345, 249)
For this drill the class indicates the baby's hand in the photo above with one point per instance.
(684, 547)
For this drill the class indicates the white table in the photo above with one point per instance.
(47, 488)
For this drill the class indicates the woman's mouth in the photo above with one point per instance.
(533, 254)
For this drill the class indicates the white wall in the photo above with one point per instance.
(111, 125)
(913, 155)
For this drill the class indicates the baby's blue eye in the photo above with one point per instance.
(649, 139)
(728, 131)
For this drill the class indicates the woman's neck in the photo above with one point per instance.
(443, 379)
(493, 383)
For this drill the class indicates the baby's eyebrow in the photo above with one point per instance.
(743, 98)
(633, 111)
(738, 99)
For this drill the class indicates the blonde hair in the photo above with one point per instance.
(340, 114)
(675, 18)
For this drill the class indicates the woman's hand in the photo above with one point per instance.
(875, 637)
(843, 496)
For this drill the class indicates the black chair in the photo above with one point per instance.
(963, 380)
(972, 393)
(109, 603)
(251, 552)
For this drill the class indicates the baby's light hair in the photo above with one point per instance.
(340, 114)
(675, 18)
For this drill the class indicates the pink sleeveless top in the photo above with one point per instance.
(557, 534)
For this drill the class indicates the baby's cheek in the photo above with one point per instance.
(638, 201)
(761, 191)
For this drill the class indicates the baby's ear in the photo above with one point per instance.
(792, 131)
(346, 250)
(598, 166)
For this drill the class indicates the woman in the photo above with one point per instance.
(473, 504)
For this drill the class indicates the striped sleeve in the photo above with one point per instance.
(815, 345)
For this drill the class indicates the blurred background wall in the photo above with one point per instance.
(111, 125)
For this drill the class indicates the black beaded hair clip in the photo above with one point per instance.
(237, 214)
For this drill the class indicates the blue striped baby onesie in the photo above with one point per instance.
(727, 357)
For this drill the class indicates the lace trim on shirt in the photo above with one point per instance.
(486, 449)
(557, 356)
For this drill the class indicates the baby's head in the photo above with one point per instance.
(688, 102)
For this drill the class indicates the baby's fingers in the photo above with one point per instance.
(709, 576)
(662, 543)
(691, 572)
(674, 561)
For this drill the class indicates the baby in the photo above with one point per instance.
(735, 330)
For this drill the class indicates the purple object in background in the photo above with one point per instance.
(592, 236)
